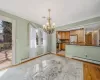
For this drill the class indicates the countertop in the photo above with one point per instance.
(77, 44)
(84, 45)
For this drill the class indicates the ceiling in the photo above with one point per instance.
(62, 11)
(93, 27)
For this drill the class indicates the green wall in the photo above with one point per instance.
(73, 25)
(85, 52)
(22, 36)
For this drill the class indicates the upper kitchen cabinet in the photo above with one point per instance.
(63, 34)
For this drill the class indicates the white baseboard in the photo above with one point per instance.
(69, 56)
(92, 61)
(32, 58)
(53, 52)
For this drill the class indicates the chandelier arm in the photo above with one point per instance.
(49, 19)
(49, 12)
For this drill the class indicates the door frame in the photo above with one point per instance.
(4, 18)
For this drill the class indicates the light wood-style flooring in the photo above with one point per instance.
(91, 71)
(61, 53)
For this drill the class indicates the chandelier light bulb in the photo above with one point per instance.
(53, 24)
(43, 25)
(47, 23)
(36, 30)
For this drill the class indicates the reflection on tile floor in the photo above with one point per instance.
(49, 67)
(61, 53)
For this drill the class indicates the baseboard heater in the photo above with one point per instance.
(26, 59)
(88, 60)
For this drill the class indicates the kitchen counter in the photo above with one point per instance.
(83, 45)
(77, 44)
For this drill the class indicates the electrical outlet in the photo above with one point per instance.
(86, 55)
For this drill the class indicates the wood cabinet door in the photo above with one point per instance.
(63, 35)
(67, 35)
(63, 46)
(88, 39)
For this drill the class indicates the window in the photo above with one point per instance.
(37, 37)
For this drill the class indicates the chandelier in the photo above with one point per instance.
(49, 27)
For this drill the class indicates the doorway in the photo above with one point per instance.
(62, 38)
(5, 44)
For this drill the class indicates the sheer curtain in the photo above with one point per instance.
(44, 42)
(42, 47)
(38, 42)
(32, 39)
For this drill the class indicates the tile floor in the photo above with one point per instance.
(48, 67)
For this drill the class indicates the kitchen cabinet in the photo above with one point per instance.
(63, 36)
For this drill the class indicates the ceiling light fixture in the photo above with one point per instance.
(49, 27)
